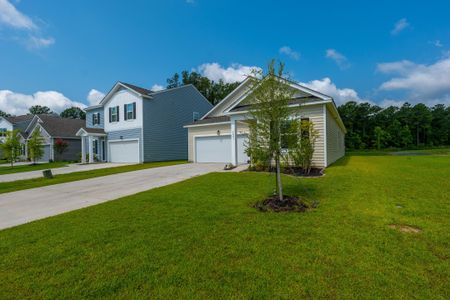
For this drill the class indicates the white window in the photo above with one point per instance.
(95, 118)
(114, 114)
(130, 111)
(195, 116)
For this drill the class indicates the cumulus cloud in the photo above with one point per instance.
(399, 26)
(290, 52)
(428, 83)
(235, 72)
(338, 58)
(18, 104)
(13, 18)
(94, 97)
(157, 88)
(327, 87)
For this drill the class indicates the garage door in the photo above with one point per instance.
(218, 149)
(46, 154)
(124, 151)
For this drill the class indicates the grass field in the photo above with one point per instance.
(6, 169)
(202, 239)
(6, 187)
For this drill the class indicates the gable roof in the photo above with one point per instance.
(143, 92)
(140, 90)
(60, 127)
(19, 119)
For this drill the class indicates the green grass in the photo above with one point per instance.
(412, 152)
(202, 239)
(6, 187)
(30, 167)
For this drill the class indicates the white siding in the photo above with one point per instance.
(5, 124)
(119, 99)
(315, 113)
(335, 139)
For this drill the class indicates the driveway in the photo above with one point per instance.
(72, 168)
(28, 205)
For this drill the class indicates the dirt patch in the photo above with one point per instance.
(405, 228)
(288, 204)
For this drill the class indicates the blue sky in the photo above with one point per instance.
(61, 53)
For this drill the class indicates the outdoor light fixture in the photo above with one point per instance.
(218, 132)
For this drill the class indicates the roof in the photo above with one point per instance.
(211, 120)
(61, 127)
(19, 119)
(93, 130)
(140, 90)
(298, 100)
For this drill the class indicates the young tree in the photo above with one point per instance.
(11, 147)
(35, 146)
(73, 113)
(301, 144)
(269, 98)
(60, 146)
(39, 110)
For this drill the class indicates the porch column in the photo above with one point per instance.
(91, 150)
(234, 156)
(83, 150)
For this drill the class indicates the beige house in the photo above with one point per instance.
(221, 134)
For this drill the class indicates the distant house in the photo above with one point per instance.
(134, 124)
(221, 134)
(51, 128)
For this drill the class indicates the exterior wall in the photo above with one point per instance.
(335, 139)
(73, 151)
(236, 94)
(127, 134)
(164, 117)
(89, 114)
(119, 99)
(5, 124)
(225, 129)
(315, 113)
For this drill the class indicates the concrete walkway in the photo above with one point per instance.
(28, 205)
(56, 171)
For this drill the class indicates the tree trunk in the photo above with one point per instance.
(279, 184)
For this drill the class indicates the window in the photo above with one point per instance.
(195, 116)
(130, 111)
(22, 149)
(305, 129)
(114, 114)
(95, 146)
(288, 136)
(3, 131)
(96, 119)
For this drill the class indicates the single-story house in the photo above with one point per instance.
(134, 124)
(221, 134)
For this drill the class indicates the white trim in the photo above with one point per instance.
(114, 90)
(123, 140)
(12, 125)
(291, 105)
(206, 124)
(325, 144)
(82, 132)
(31, 122)
(209, 135)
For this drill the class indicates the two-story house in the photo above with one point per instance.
(133, 124)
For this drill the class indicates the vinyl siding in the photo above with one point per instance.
(335, 139)
(164, 117)
(89, 114)
(73, 151)
(125, 134)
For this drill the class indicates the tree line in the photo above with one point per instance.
(69, 113)
(372, 127)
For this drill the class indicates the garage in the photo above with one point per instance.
(124, 151)
(218, 149)
(46, 156)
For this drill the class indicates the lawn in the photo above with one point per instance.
(202, 239)
(6, 187)
(6, 169)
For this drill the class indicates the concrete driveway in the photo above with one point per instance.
(28, 205)
(71, 168)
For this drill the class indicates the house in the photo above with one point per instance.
(51, 127)
(133, 124)
(221, 134)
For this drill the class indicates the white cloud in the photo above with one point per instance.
(18, 104)
(426, 83)
(157, 88)
(235, 72)
(94, 97)
(338, 58)
(399, 26)
(437, 43)
(327, 87)
(290, 52)
(11, 17)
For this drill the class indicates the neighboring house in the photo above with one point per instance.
(134, 124)
(13, 123)
(51, 127)
(221, 134)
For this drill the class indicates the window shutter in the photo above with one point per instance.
(98, 118)
(125, 117)
(118, 114)
(134, 110)
(110, 115)
(93, 119)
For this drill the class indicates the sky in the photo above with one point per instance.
(64, 53)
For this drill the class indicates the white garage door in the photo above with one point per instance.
(124, 151)
(218, 149)
(46, 154)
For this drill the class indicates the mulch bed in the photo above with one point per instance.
(276, 205)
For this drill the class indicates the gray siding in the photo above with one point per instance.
(89, 114)
(126, 134)
(73, 151)
(164, 117)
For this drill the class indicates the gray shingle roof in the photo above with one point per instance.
(140, 90)
(94, 130)
(211, 120)
(61, 127)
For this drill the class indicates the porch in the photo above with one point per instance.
(93, 145)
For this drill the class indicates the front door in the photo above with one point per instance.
(103, 151)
